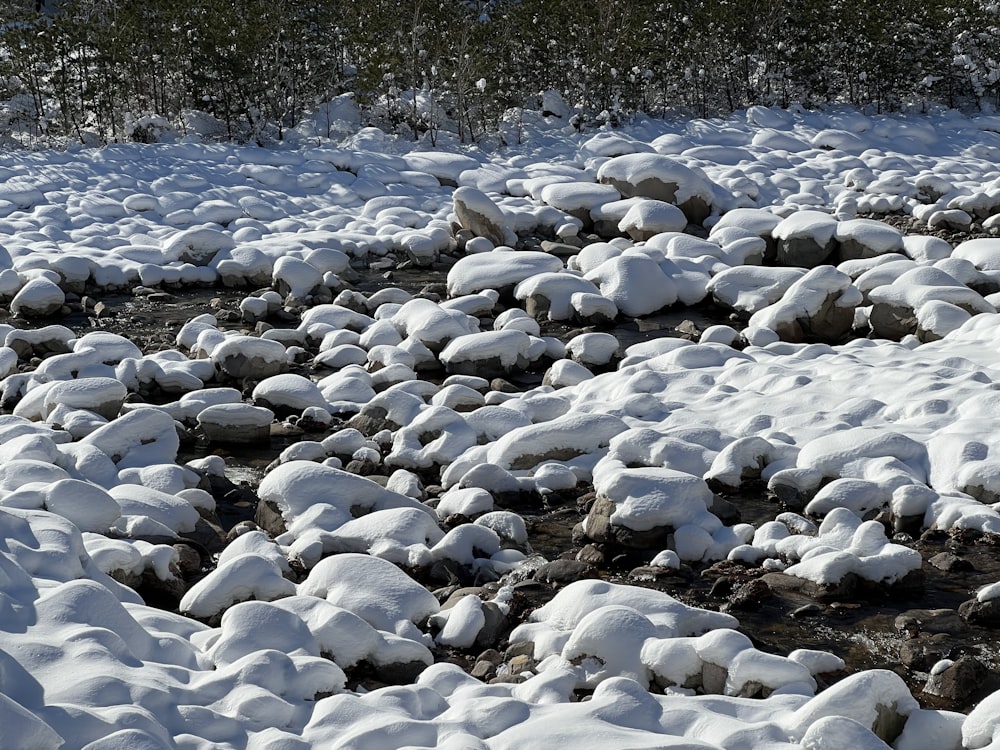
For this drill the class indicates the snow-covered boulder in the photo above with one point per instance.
(805, 239)
(488, 353)
(481, 216)
(635, 283)
(497, 270)
(866, 238)
(646, 218)
(660, 178)
(38, 298)
(893, 313)
(549, 294)
(748, 289)
(578, 199)
(103, 396)
(241, 357)
(236, 423)
(818, 306)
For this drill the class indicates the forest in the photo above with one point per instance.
(101, 71)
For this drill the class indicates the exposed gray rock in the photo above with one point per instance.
(565, 571)
(957, 681)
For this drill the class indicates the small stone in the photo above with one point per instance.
(521, 663)
(591, 555)
(483, 670)
(492, 656)
(688, 330)
(806, 610)
(503, 386)
(526, 648)
(949, 562)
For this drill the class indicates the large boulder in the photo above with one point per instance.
(481, 216)
(805, 239)
(818, 307)
(660, 178)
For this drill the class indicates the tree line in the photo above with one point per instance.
(115, 70)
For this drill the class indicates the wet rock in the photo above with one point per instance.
(483, 670)
(591, 554)
(924, 651)
(497, 626)
(565, 571)
(751, 595)
(399, 673)
(949, 562)
(653, 539)
(956, 680)
(806, 610)
(980, 613)
(914, 621)
(188, 559)
(780, 583)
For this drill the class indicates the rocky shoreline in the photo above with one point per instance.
(908, 627)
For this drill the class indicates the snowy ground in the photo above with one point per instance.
(892, 429)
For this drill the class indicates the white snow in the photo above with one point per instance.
(90, 487)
